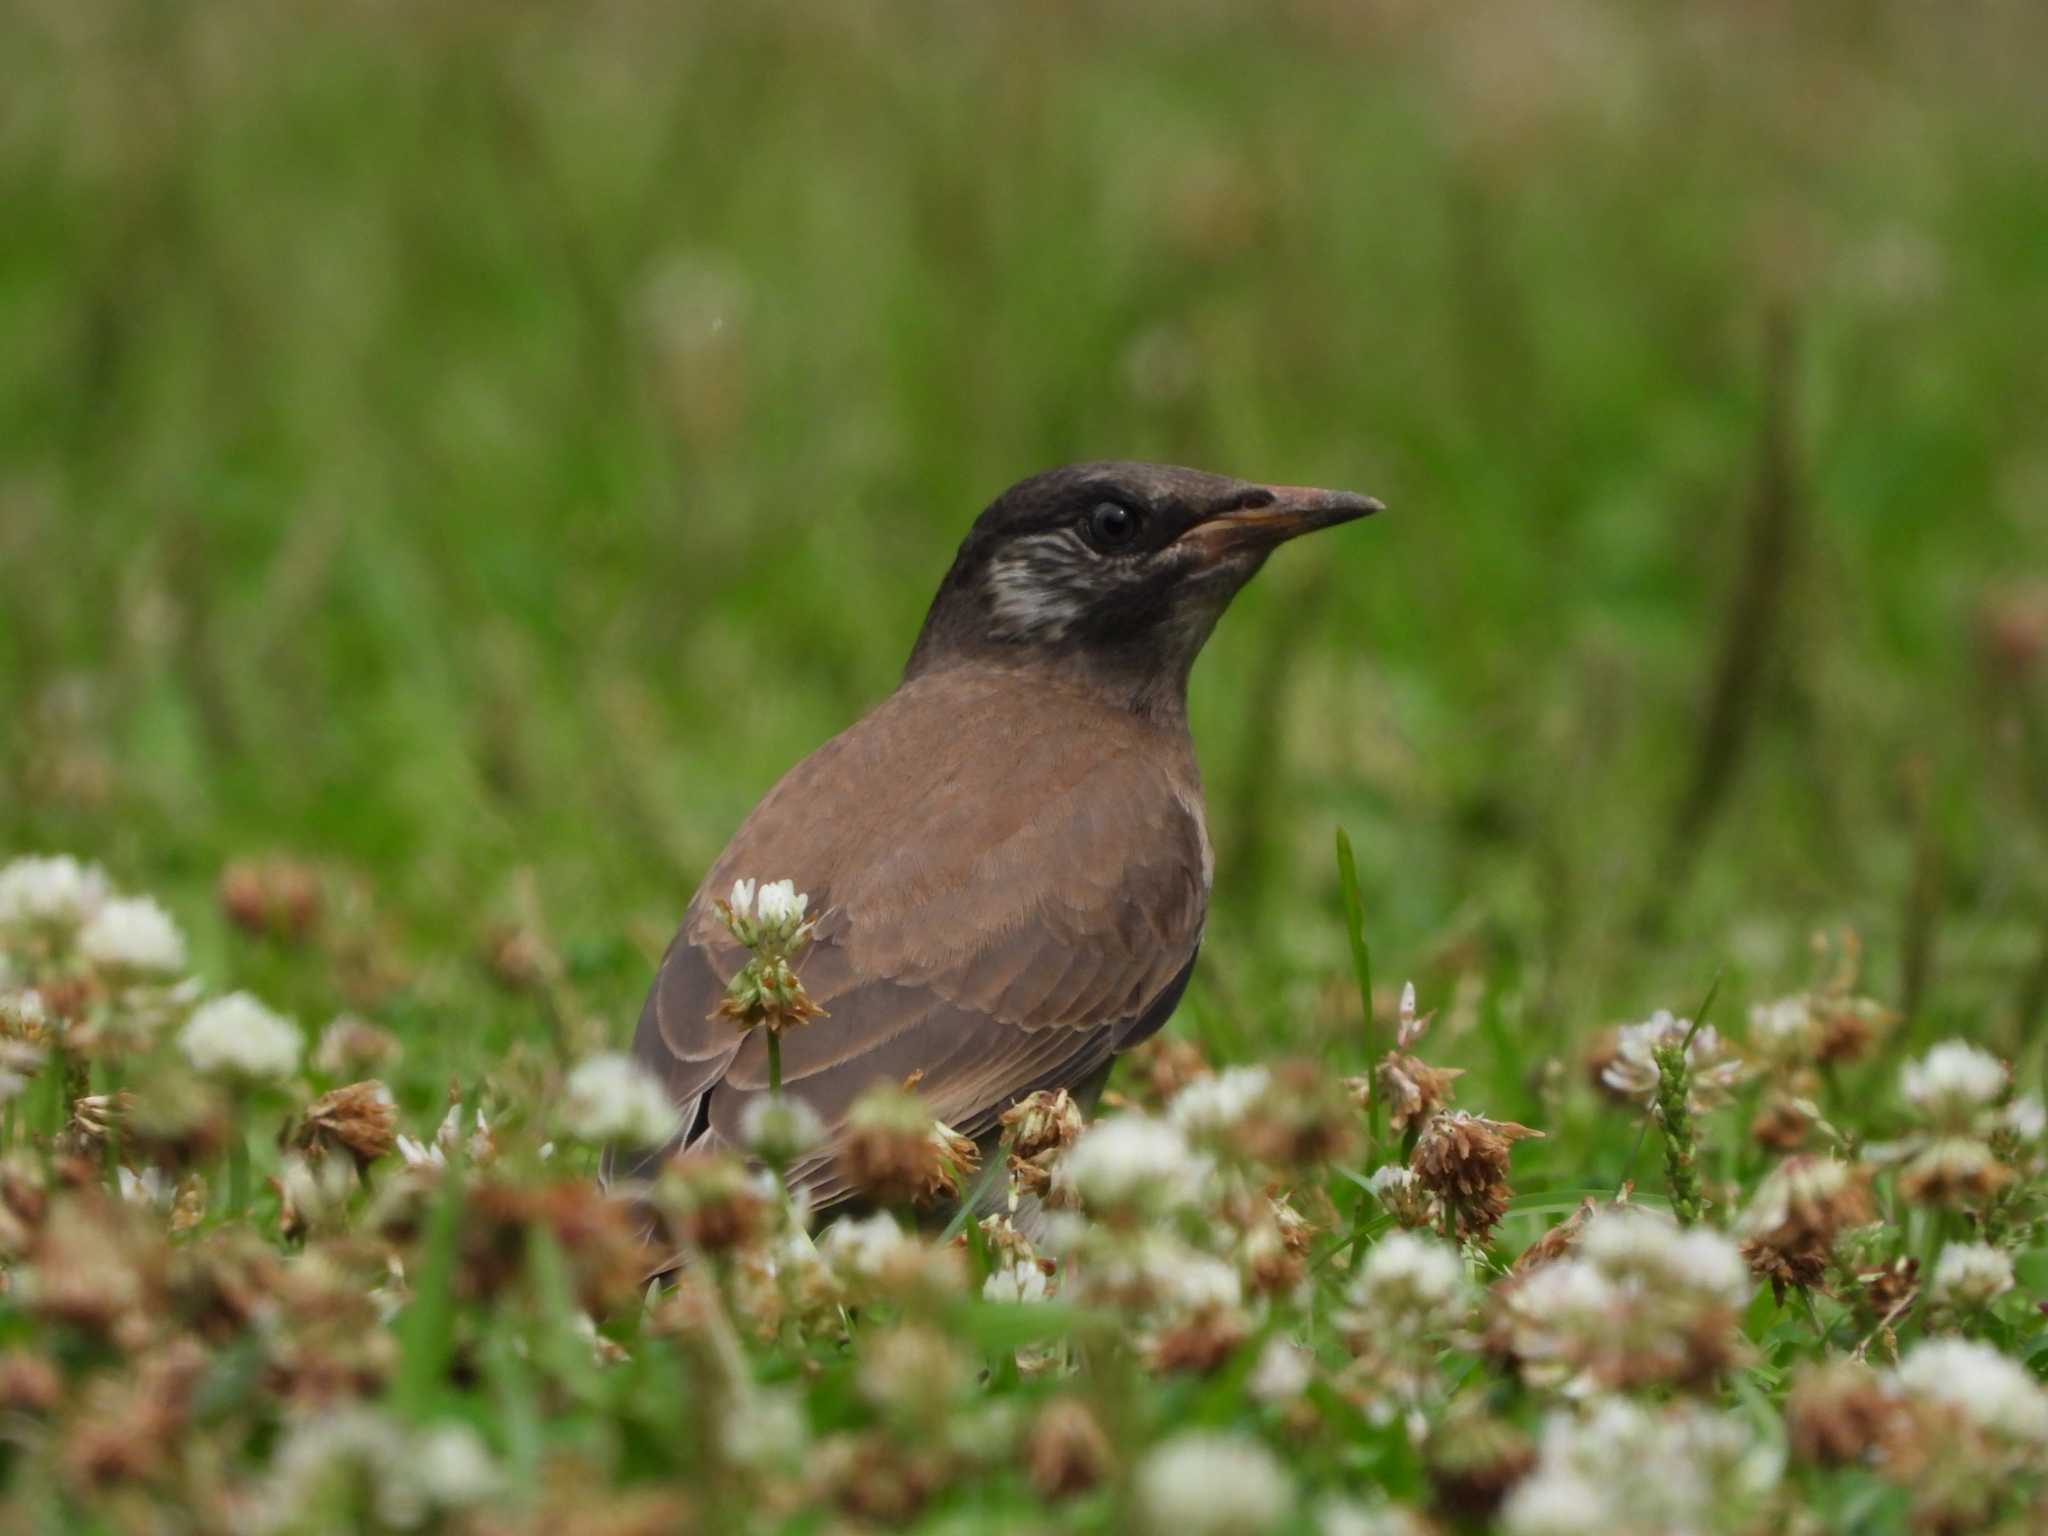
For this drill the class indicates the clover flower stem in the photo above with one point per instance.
(1937, 1239)
(1813, 1314)
(54, 1080)
(1674, 1118)
(774, 1059)
(238, 1174)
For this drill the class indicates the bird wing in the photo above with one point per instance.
(998, 908)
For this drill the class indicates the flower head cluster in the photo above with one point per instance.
(779, 1128)
(133, 935)
(1411, 1293)
(1037, 1130)
(769, 921)
(610, 1097)
(1991, 1391)
(1970, 1276)
(1952, 1085)
(1213, 1107)
(238, 1039)
(1462, 1160)
(1207, 1484)
(1805, 1203)
(897, 1153)
(1130, 1166)
(53, 892)
(1620, 1466)
(1713, 1070)
(1957, 1093)
(1637, 1300)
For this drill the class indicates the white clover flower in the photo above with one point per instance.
(1416, 1284)
(780, 905)
(1403, 1195)
(2025, 1117)
(1634, 1072)
(1992, 1391)
(766, 1429)
(1556, 1502)
(1283, 1372)
(1022, 1281)
(1390, 1181)
(868, 1245)
(350, 1446)
(1131, 1161)
(19, 1062)
(780, 1128)
(454, 1467)
(1204, 1483)
(1782, 1028)
(481, 1147)
(1952, 1082)
(1212, 1105)
(1971, 1275)
(1150, 1270)
(237, 1037)
(1625, 1467)
(1653, 1253)
(407, 1474)
(611, 1097)
(1195, 1281)
(1566, 1294)
(318, 1191)
(1346, 1517)
(420, 1154)
(151, 1188)
(24, 1016)
(1795, 1188)
(56, 890)
(910, 1366)
(742, 899)
(133, 934)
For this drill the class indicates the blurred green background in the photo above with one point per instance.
(474, 448)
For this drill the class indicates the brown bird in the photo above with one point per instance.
(1007, 859)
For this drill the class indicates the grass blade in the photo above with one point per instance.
(1354, 927)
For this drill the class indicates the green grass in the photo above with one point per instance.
(476, 449)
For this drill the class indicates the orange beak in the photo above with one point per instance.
(1288, 512)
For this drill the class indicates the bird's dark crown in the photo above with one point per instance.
(1116, 571)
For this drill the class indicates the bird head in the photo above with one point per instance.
(1118, 570)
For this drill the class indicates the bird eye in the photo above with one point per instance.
(1111, 525)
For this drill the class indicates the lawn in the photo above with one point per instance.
(453, 458)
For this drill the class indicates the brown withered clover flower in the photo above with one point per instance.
(1788, 1234)
(359, 1119)
(1066, 1451)
(1474, 1459)
(1462, 1159)
(1301, 1119)
(1161, 1068)
(1036, 1130)
(899, 1155)
(714, 1203)
(1842, 1414)
(178, 1120)
(1413, 1089)
(277, 898)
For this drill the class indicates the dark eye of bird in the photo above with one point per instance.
(1111, 525)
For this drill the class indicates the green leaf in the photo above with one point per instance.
(2031, 1270)
(999, 1325)
(426, 1329)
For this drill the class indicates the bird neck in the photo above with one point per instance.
(1123, 681)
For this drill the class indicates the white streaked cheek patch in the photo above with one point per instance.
(1041, 587)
